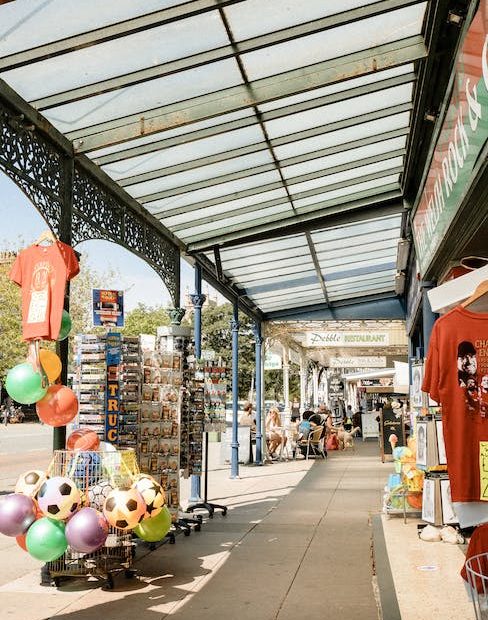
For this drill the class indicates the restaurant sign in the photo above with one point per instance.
(347, 339)
(357, 362)
(461, 139)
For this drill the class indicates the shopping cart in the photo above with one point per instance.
(477, 574)
(93, 471)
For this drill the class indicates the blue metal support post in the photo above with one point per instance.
(234, 462)
(197, 299)
(259, 392)
(428, 317)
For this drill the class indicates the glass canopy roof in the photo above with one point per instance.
(270, 137)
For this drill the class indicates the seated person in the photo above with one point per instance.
(305, 425)
(247, 418)
(274, 435)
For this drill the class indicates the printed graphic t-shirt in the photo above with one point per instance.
(42, 272)
(456, 376)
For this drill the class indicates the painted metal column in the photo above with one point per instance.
(286, 378)
(428, 317)
(234, 462)
(303, 382)
(315, 386)
(197, 299)
(65, 235)
(259, 392)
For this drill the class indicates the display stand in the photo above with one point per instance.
(213, 375)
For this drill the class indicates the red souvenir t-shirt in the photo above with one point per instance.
(42, 272)
(456, 376)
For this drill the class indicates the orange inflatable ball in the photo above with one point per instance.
(58, 407)
(83, 439)
(415, 500)
(51, 364)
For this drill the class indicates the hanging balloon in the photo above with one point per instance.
(87, 530)
(25, 385)
(83, 439)
(155, 528)
(58, 407)
(59, 498)
(46, 540)
(66, 325)
(17, 512)
(51, 364)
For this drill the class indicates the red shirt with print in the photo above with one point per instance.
(456, 368)
(42, 272)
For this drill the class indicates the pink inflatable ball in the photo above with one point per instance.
(87, 530)
(17, 513)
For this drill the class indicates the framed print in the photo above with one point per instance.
(441, 447)
(448, 514)
(428, 501)
(422, 443)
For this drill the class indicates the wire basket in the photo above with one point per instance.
(95, 474)
(477, 575)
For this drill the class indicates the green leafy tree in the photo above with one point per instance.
(12, 349)
(145, 320)
(217, 336)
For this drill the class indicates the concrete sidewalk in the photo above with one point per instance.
(296, 543)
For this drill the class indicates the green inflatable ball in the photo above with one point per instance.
(66, 325)
(26, 385)
(155, 528)
(46, 540)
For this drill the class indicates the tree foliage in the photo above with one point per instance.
(12, 349)
(145, 320)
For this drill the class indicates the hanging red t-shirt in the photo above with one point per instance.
(478, 545)
(455, 373)
(42, 272)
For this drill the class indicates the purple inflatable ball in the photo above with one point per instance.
(17, 512)
(87, 530)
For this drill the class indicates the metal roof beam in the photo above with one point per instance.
(147, 122)
(111, 32)
(212, 202)
(255, 148)
(242, 123)
(302, 178)
(221, 53)
(354, 208)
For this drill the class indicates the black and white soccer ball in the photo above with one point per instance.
(152, 493)
(98, 493)
(59, 498)
(30, 482)
(124, 509)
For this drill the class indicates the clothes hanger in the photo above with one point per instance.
(47, 235)
(481, 290)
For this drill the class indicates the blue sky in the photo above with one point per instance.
(21, 222)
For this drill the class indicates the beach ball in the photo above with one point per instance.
(83, 439)
(51, 364)
(17, 512)
(98, 493)
(46, 540)
(156, 528)
(87, 530)
(25, 385)
(124, 509)
(59, 498)
(58, 407)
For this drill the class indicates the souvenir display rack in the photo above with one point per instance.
(90, 381)
(130, 393)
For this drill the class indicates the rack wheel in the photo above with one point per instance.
(199, 518)
(172, 540)
(129, 573)
(57, 582)
(152, 547)
(224, 512)
(109, 584)
(187, 532)
(198, 527)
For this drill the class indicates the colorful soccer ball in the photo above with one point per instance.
(30, 482)
(86, 468)
(152, 493)
(124, 509)
(98, 493)
(59, 498)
